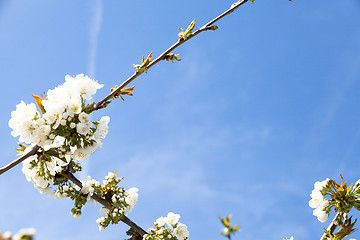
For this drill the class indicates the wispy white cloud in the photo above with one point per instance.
(94, 35)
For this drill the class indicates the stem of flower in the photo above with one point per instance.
(162, 56)
(105, 203)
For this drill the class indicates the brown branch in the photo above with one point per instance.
(19, 160)
(332, 226)
(162, 56)
(106, 204)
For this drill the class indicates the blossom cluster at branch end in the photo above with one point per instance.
(63, 130)
(66, 136)
(342, 198)
(169, 228)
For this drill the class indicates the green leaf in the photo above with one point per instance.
(225, 222)
(235, 228)
(188, 31)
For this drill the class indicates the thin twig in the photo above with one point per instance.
(105, 203)
(164, 54)
(19, 160)
(332, 227)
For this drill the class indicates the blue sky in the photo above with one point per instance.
(252, 116)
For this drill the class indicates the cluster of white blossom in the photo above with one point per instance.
(32, 169)
(62, 129)
(59, 108)
(102, 222)
(319, 202)
(88, 187)
(168, 228)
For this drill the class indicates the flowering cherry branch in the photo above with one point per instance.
(164, 56)
(62, 134)
(105, 203)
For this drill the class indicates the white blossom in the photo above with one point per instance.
(83, 128)
(75, 215)
(320, 185)
(39, 181)
(160, 221)
(111, 175)
(226, 231)
(23, 122)
(172, 218)
(100, 221)
(320, 214)
(131, 196)
(83, 85)
(102, 128)
(181, 231)
(84, 117)
(87, 185)
(318, 201)
(83, 153)
(22, 115)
